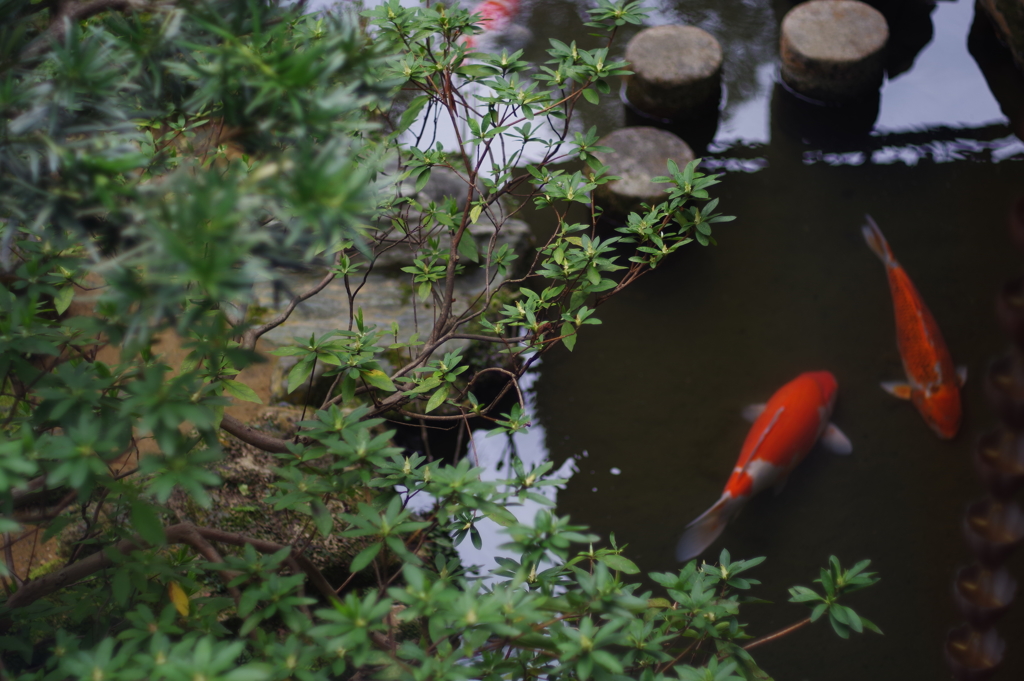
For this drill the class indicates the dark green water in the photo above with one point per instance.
(647, 409)
(655, 393)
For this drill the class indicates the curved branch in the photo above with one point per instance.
(488, 339)
(196, 540)
(316, 578)
(183, 533)
(32, 591)
(250, 337)
(251, 436)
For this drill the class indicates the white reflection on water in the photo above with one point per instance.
(494, 454)
(945, 85)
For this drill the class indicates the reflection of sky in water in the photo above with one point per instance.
(944, 87)
(494, 454)
(749, 121)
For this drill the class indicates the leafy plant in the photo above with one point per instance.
(158, 163)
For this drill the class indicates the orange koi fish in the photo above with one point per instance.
(783, 432)
(496, 15)
(934, 384)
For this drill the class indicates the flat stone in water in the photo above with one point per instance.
(675, 69)
(832, 49)
(638, 155)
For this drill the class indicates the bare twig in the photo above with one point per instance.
(778, 634)
(250, 337)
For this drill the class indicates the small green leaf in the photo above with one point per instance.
(147, 523)
(437, 399)
(422, 179)
(801, 594)
(62, 301)
(591, 96)
(620, 563)
(474, 213)
(853, 619)
(378, 379)
(411, 112)
(300, 372)
(869, 625)
(477, 70)
(502, 516)
(348, 388)
(468, 249)
(241, 391)
(121, 586)
(568, 333)
(321, 517)
(840, 628)
(364, 557)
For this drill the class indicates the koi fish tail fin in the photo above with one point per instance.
(705, 529)
(873, 235)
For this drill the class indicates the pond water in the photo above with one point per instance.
(644, 416)
(648, 406)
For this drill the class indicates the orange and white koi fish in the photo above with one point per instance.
(933, 383)
(784, 431)
(496, 15)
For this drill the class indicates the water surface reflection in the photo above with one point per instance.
(655, 393)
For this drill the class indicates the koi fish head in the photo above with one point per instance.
(828, 386)
(940, 408)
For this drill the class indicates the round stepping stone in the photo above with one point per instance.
(676, 70)
(638, 154)
(832, 50)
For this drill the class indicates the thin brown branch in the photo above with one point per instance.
(191, 536)
(32, 591)
(251, 436)
(183, 533)
(778, 634)
(250, 337)
(488, 339)
(316, 578)
(430, 417)
(674, 661)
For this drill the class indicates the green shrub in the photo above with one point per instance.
(157, 163)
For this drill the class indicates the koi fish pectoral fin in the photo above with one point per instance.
(897, 389)
(835, 440)
(961, 375)
(751, 412)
